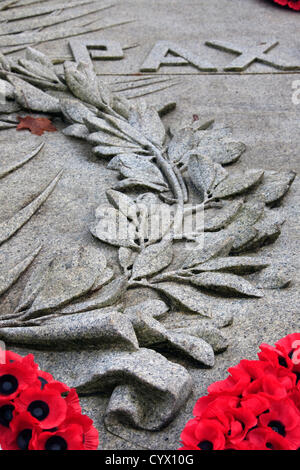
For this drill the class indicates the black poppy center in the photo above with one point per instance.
(6, 415)
(282, 362)
(56, 443)
(278, 427)
(39, 409)
(23, 439)
(269, 445)
(206, 445)
(8, 384)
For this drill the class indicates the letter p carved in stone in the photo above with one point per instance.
(86, 50)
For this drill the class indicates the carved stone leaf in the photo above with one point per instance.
(186, 297)
(152, 333)
(96, 124)
(146, 120)
(105, 297)
(153, 308)
(39, 70)
(243, 236)
(274, 186)
(243, 228)
(74, 111)
(137, 167)
(221, 174)
(126, 258)
(131, 183)
(225, 283)
(102, 279)
(153, 259)
(195, 348)
(30, 97)
(76, 130)
(98, 330)
(6, 125)
(216, 219)
(122, 106)
(202, 172)
(268, 229)
(38, 57)
(113, 227)
(32, 286)
(9, 277)
(155, 218)
(67, 278)
(4, 63)
(149, 331)
(5, 170)
(124, 204)
(219, 245)
(7, 89)
(181, 143)
(10, 227)
(238, 183)
(233, 264)
(85, 85)
(274, 277)
(111, 151)
(61, 287)
(220, 150)
(103, 138)
(126, 129)
(208, 333)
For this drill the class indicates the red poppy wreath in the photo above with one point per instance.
(39, 413)
(294, 4)
(256, 408)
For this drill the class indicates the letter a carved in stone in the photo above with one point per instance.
(170, 53)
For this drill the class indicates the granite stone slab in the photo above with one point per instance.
(141, 345)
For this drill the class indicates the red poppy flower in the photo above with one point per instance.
(37, 412)
(294, 4)
(204, 434)
(283, 417)
(7, 412)
(266, 439)
(240, 378)
(46, 405)
(13, 357)
(24, 428)
(89, 434)
(69, 438)
(290, 346)
(17, 376)
(275, 357)
(44, 378)
(256, 408)
(270, 387)
(240, 421)
(76, 434)
(212, 405)
(257, 403)
(72, 401)
(74, 416)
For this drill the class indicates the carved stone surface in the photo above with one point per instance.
(108, 303)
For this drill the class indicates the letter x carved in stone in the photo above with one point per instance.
(250, 54)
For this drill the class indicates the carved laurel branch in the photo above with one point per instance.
(52, 312)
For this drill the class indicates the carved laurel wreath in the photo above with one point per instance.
(62, 310)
